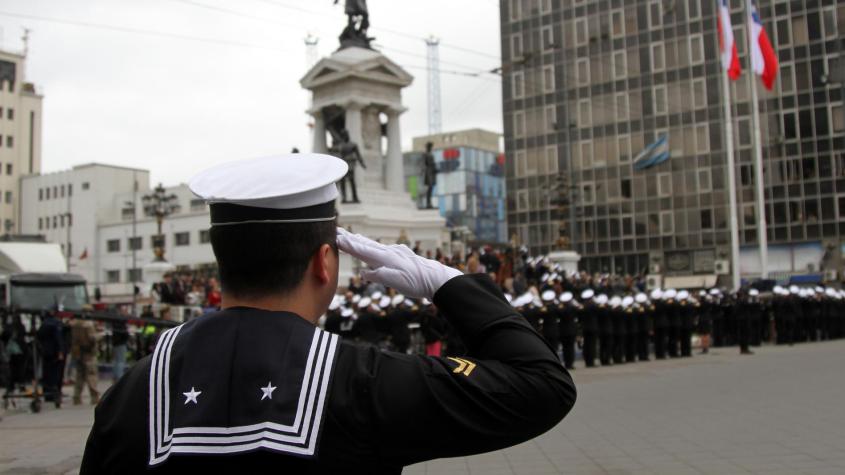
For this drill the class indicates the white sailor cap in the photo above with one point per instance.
(426, 301)
(566, 297)
(670, 294)
(627, 301)
(544, 277)
(356, 298)
(830, 292)
(291, 188)
(346, 312)
(548, 295)
(384, 302)
(601, 299)
(397, 299)
(641, 298)
(376, 295)
(683, 295)
(794, 289)
(777, 290)
(753, 292)
(615, 301)
(656, 294)
(335, 303)
(365, 302)
(587, 294)
(535, 301)
(409, 302)
(819, 289)
(715, 291)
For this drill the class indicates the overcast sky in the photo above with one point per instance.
(213, 85)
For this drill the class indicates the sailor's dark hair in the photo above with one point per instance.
(256, 260)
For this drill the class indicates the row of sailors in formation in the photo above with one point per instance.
(612, 329)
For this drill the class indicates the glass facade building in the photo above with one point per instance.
(588, 84)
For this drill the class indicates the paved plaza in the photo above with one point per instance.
(779, 411)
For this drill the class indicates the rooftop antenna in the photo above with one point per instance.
(435, 118)
(25, 38)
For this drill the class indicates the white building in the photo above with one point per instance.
(20, 136)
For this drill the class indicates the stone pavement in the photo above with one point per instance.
(779, 411)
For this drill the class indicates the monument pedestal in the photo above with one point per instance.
(359, 91)
(568, 260)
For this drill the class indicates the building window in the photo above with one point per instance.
(113, 245)
(112, 276)
(548, 79)
(696, 49)
(519, 124)
(551, 119)
(829, 22)
(62, 221)
(693, 9)
(583, 68)
(69, 219)
(837, 115)
(660, 100)
(127, 214)
(516, 9)
(134, 243)
(205, 236)
(625, 188)
(516, 46)
(617, 23)
(587, 195)
(581, 36)
(587, 154)
(62, 190)
(521, 163)
(522, 200)
(702, 137)
(8, 197)
(705, 182)
(627, 225)
(40, 224)
(622, 105)
(136, 275)
(182, 239)
(655, 14)
(620, 64)
(667, 222)
(664, 184)
(548, 35)
(8, 168)
(551, 159)
(545, 6)
(8, 225)
(47, 190)
(518, 85)
(584, 113)
(10, 141)
(70, 189)
(40, 194)
(46, 223)
(699, 93)
(197, 205)
(658, 57)
(86, 185)
(623, 143)
(10, 113)
(706, 219)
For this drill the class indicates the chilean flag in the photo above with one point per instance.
(727, 44)
(764, 61)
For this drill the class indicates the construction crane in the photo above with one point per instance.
(435, 115)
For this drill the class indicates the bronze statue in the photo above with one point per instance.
(429, 169)
(355, 33)
(348, 151)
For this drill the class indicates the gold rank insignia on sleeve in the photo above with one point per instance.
(465, 367)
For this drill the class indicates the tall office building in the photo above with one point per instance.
(20, 136)
(589, 84)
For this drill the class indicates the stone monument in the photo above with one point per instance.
(359, 90)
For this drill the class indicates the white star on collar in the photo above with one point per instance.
(191, 396)
(268, 391)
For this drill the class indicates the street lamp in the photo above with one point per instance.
(159, 205)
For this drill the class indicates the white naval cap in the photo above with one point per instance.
(384, 302)
(397, 299)
(615, 301)
(669, 294)
(356, 298)
(365, 302)
(627, 301)
(656, 294)
(794, 289)
(566, 297)
(376, 295)
(509, 297)
(548, 295)
(753, 292)
(601, 299)
(587, 294)
(641, 298)
(291, 188)
(683, 295)
(335, 303)
(346, 312)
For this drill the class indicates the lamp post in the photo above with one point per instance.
(159, 205)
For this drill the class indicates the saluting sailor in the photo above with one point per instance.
(258, 387)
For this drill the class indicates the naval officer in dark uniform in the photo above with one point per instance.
(258, 387)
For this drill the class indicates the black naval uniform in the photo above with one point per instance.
(273, 392)
(568, 332)
(588, 315)
(661, 323)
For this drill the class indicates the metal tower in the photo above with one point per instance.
(311, 53)
(435, 117)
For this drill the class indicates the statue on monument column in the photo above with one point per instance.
(355, 33)
(429, 169)
(347, 150)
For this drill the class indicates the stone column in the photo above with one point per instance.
(393, 179)
(353, 122)
(318, 144)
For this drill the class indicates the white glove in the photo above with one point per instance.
(396, 266)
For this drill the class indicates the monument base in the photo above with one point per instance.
(568, 260)
(384, 215)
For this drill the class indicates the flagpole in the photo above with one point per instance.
(762, 238)
(729, 146)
